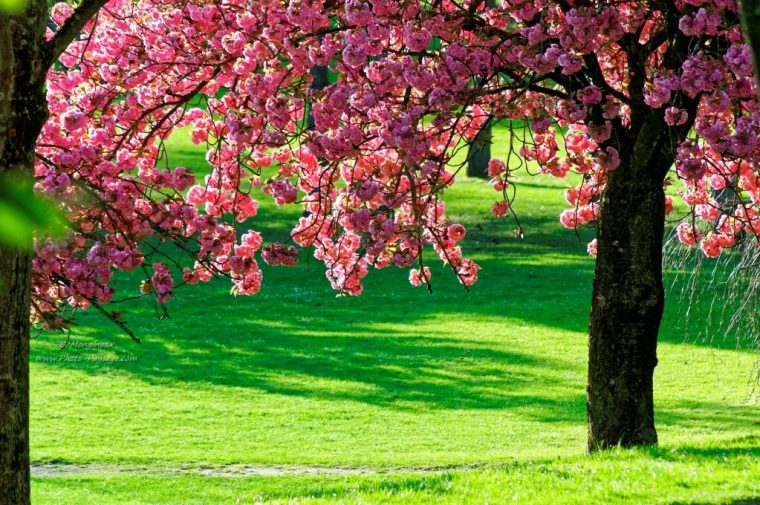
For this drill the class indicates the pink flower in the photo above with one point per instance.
(277, 254)
(468, 272)
(590, 95)
(609, 159)
(73, 120)
(591, 248)
(358, 12)
(456, 232)
(416, 40)
(711, 246)
(569, 218)
(500, 208)
(162, 282)
(355, 56)
(496, 167)
(675, 116)
(688, 234)
(541, 125)
(282, 190)
(418, 278)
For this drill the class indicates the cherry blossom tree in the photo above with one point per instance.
(629, 95)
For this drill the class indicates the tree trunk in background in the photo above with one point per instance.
(479, 152)
(319, 82)
(628, 295)
(750, 11)
(23, 111)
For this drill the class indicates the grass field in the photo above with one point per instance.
(296, 395)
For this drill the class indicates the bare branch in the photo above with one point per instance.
(72, 26)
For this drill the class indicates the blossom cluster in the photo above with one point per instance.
(412, 80)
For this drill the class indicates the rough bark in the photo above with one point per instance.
(24, 59)
(15, 268)
(628, 295)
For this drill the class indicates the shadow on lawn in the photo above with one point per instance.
(396, 346)
(740, 501)
(375, 367)
(386, 348)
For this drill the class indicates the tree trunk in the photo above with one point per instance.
(750, 11)
(15, 268)
(479, 152)
(23, 110)
(628, 296)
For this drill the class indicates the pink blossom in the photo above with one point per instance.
(687, 233)
(162, 282)
(591, 248)
(417, 40)
(496, 167)
(280, 254)
(675, 116)
(456, 232)
(500, 208)
(370, 176)
(419, 277)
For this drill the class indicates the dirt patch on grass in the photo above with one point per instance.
(69, 469)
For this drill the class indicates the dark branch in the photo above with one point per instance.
(70, 29)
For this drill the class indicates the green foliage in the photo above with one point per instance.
(22, 212)
(12, 6)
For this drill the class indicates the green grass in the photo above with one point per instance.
(689, 475)
(397, 380)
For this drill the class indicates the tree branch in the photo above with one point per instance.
(69, 30)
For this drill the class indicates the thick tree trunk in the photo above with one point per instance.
(628, 297)
(479, 152)
(15, 268)
(24, 59)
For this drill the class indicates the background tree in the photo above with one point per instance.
(617, 93)
(751, 23)
(479, 150)
(320, 75)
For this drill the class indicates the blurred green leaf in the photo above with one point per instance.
(12, 6)
(22, 212)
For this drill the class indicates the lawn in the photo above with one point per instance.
(296, 395)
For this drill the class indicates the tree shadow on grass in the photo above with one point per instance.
(396, 346)
(377, 367)
(740, 501)
(710, 417)
(748, 446)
